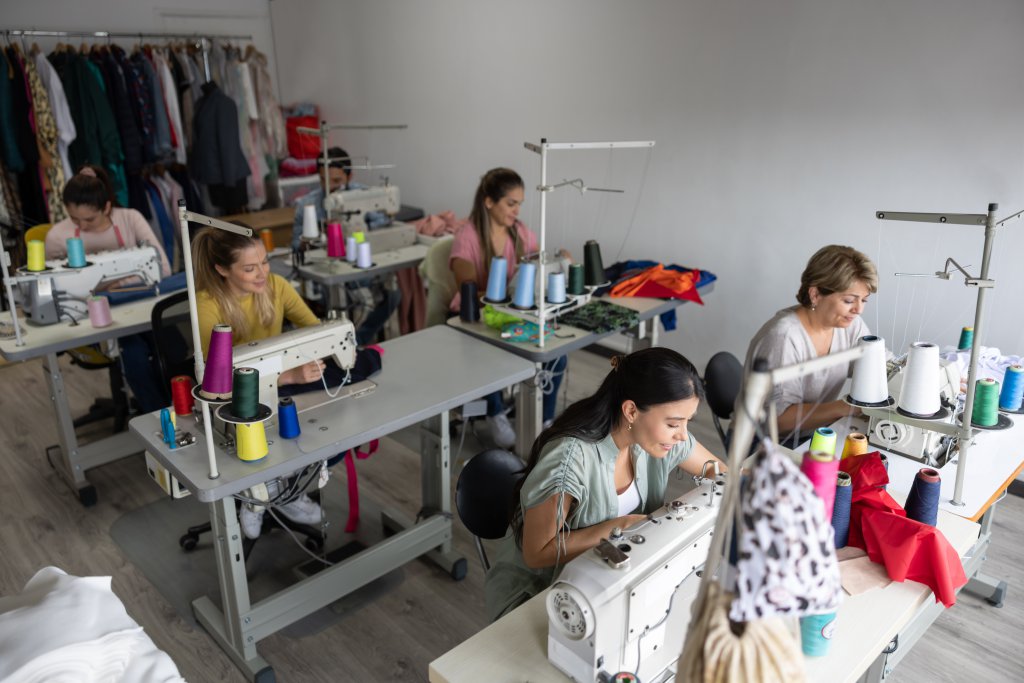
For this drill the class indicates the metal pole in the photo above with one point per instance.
(543, 233)
(5, 263)
(193, 314)
(327, 182)
(979, 316)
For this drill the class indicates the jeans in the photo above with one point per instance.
(556, 368)
(378, 317)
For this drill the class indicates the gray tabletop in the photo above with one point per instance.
(567, 338)
(325, 271)
(40, 340)
(423, 374)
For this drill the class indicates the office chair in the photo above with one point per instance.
(723, 378)
(435, 271)
(484, 495)
(172, 344)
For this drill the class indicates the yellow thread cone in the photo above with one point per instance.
(360, 237)
(824, 441)
(36, 255)
(856, 444)
(251, 440)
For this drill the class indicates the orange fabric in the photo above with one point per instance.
(662, 283)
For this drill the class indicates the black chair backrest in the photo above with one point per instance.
(484, 492)
(722, 380)
(172, 339)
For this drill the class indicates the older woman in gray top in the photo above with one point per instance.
(603, 463)
(834, 289)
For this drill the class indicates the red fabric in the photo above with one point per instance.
(302, 145)
(659, 282)
(906, 548)
(412, 309)
(353, 483)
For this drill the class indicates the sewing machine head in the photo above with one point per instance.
(45, 298)
(630, 598)
(923, 445)
(351, 206)
(332, 339)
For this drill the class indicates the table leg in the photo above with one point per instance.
(75, 459)
(990, 588)
(529, 413)
(232, 626)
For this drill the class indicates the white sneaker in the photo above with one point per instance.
(302, 510)
(502, 433)
(251, 521)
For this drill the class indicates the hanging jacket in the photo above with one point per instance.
(217, 157)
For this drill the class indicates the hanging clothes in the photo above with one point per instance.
(275, 139)
(66, 131)
(217, 158)
(46, 139)
(30, 189)
(170, 93)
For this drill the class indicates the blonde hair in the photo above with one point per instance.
(834, 269)
(212, 248)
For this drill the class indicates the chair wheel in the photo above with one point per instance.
(314, 543)
(459, 569)
(188, 542)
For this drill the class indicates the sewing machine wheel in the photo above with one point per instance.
(570, 611)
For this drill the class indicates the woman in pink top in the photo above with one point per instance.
(493, 228)
(100, 225)
(89, 199)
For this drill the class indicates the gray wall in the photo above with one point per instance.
(780, 127)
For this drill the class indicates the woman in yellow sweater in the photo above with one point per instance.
(235, 286)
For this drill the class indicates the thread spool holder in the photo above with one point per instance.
(963, 432)
(324, 132)
(546, 310)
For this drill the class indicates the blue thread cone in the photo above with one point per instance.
(525, 278)
(76, 252)
(287, 419)
(1012, 395)
(816, 633)
(841, 510)
(497, 279)
(469, 307)
(923, 500)
(556, 288)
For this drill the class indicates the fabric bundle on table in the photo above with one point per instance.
(908, 549)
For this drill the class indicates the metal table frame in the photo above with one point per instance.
(455, 368)
(46, 342)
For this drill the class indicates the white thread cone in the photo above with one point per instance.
(870, 384)
(364, 259)
(919, 394)
(310, 227)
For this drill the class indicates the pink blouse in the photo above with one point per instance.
(466, 245)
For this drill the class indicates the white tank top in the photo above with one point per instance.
(629, 499)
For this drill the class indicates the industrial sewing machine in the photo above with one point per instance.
(44, 296)
(625, 606)
(885, 430)
(351, 206)
(331, 339)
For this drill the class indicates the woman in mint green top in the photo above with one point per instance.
(603, 463)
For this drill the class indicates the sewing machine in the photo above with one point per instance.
(929, 447)
(353, 205)
(625, 606)
(44, 296)
(332, 339)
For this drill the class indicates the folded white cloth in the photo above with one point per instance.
(65, 628)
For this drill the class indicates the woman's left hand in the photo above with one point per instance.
(564, 253)
(304, 374)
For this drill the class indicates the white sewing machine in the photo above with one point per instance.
(353, 205)
(625, 606)
(42, 295)
(332, 339)
(924, 445)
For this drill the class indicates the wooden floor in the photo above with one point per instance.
(395, 637)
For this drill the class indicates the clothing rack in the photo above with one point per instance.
(202, 41)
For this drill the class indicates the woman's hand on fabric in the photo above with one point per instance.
(304, 374)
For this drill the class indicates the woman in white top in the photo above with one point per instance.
(834, 289)
(100, 225)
